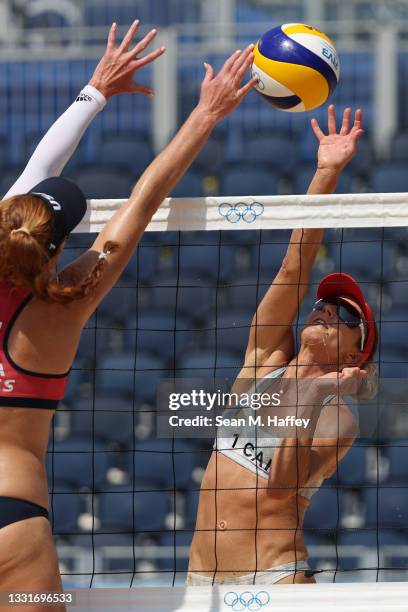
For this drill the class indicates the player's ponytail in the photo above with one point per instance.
(26, 228)
(368, 388)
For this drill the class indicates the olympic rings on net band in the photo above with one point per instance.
(241, 211)
(246, 600)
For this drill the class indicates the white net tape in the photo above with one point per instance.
(380, 597)
(264, 212)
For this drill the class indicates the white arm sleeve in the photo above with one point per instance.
(60, 142)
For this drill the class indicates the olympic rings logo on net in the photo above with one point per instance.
(246, 600)
(241, 211)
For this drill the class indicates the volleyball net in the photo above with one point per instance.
(123, 497)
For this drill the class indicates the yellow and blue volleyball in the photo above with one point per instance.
(297, 66)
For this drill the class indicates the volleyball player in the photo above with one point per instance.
(43, 314)
(257, 485)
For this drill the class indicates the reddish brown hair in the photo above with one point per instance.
(24, 255)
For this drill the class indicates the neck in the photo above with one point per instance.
(310, 363)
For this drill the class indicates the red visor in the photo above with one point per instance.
(341, 284)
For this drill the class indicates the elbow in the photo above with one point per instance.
(293, 270)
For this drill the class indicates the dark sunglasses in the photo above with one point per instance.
(346, 313)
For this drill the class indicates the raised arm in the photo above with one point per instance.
(220, 96)
(113, 75)
(272, 324)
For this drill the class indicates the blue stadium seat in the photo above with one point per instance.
(397, 454)
(374, 538)
(8, 178)
(49, 18)
(245, 180)
(399, 294)
(386, 507)
(363, 162)
(192, 498)
(352, 469)
(83, 462)
(130, 373)
(279, 152)
(399, 147)
(96, 340)
(75, 379)
(390, 178)
(245, 292)
(178, 539)
(394, 329)
(268, 258)
(65, 508)
(104, 181)
(324, 511)
(212, 157)
(111, 419)
(157, 331)
(162, 12)
(232, 329)
(143, 265)
(215, 262)
(365, 260)
(190, 186)
(128, 150)
(193, 296)
(207, 363)
(119, 303)
(138, 507)
(156, 461)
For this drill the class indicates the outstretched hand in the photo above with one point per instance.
(221, 94)
(114, 73)
(336, 150)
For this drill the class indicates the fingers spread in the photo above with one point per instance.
(317, 130)
(129, 36)
(332, 120)
(148, 59)
(145, 42)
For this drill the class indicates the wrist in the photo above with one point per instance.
(101, 93)
(328, 172)
(204, 118)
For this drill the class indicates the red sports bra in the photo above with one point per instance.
(20, 388)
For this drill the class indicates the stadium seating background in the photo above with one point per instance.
(137, 491)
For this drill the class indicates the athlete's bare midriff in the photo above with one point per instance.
(24, 436)
(240, 528)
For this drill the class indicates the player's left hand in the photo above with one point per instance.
(337, 149)
(345, 382)
(115, 72)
